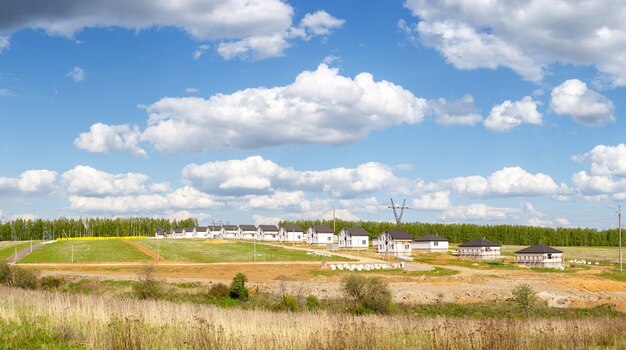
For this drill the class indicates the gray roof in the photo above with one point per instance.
(201, 228)
(356, 231)
(189, 229)
(430, 238)
(229, 227)
(247, 227)
(292, 228)
(399, 234)
(322, 229)
(178, 230)
(268, 228)
(538, 249)
(215, 228)
(481, 242)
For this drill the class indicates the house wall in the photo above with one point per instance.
(215, 234)
(358, 242)
(324, 238)
(431, 246)
(482, 253)
(388, 245)
(269, 236)
(250, 235)
(289, 236)
(229, 234)
(554, 260)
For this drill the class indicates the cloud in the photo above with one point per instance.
(605, 160)
(255, 175)
(103, 138)
(319, 107)
(478, 211)
(182, 198)
(433, 201)
(77, 74)
(30, 182)
(526, 36)
(87, 181)
(591, 185)
(459, 112)
(508, 182)
(6, 92)
(5, 43)
(585, 106)
(254, 28)
(200, 51)
(509, 115)
(191, 90)
(160, 187)
(279, 201)
(25, 216)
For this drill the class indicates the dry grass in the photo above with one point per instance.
(104, 323)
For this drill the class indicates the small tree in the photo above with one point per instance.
(367, 294)
(147, 285)
(312, 302)
(219, 290)
(238, 288)
(525, 297)
(290, 303)
(24, 278)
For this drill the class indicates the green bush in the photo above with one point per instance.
(219, 290)
(24, 278)
(51, 282)
(5, 272)
(312, 303)
(238, 288)
(147, 285)
(367, 294)
(525, 297)
(289, 303)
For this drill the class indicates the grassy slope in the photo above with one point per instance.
(8, 248)
(199, 251)
(31, 336)
(86, 251)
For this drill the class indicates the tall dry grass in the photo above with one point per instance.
(104, 323)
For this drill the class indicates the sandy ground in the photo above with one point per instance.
(579, 289)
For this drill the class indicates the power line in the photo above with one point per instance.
(395, 208)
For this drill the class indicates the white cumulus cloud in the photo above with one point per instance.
(459, 112)
(605, 160)
(103, 138)
(87, 181)
(584, 105)
(433, 201)
(30, 181)
(509, 115)
(77, 74)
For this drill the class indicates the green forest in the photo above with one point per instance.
(21, 229)
(502, 234)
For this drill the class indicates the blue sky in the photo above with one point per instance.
(250, 112)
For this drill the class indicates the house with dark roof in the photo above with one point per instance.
(321, 235)
(267, 232)
(540, 255)
(178, 233)
(248, 232)
(291, 233)
(189, 232)
(202, 232)
(229, 231)
(395, 242)
(354, 238)
(481, 249)
(430, 244)
(215, 232)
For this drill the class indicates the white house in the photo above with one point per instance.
(215, 231)
(189, 232)
(395, 242)
(321, 235)
(430, 244)
(178, 233)
(540, 256)
(202, 232)
(479, 249)
(268, 232)
(247, 232)
(229, 231)
(354, 238)
(291, 233)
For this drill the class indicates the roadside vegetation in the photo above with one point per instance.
(7, 248)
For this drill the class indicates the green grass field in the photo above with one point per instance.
(86, 251)
(199, 251)
(7, 248)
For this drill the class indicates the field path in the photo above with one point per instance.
(22, 253)
(149, 252)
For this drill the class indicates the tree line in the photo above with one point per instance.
(502, 234)
(23, 229)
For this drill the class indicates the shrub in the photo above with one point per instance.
(5, 272)
(289, 303)
(24, 278)
(312, 303)
(51, 282)
(367, 294)
(525, 297)
(219, 290)
(238, 288)
(147, 286)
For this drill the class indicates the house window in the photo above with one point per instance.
(328, 238)
(298, 236)
(436, 243)
(363, 242)
(406, 246)
(549, 256)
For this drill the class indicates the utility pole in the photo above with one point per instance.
(398, 215)
(619, 228)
